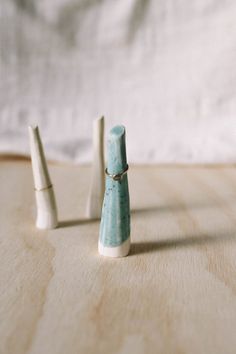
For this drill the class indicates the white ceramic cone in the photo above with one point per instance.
(97, 186)
(45, 198)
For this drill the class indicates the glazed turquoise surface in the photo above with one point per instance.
(116, 159)
(115, 220)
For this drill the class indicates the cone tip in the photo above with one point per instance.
(117, 132)
(32, 128)
(99, 120)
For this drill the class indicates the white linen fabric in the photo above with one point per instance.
(166, 69)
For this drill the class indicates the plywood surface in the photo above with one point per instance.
(175, 293)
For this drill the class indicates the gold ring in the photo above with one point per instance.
(42, 189)
(118, 176)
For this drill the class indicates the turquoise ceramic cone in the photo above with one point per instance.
(114, 238)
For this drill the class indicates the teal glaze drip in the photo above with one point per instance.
(115, 220)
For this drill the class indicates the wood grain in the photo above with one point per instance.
(175, 293)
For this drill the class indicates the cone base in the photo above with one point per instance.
(46, 210)
(46, 221)
(115, 252)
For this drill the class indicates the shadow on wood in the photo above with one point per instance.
(175, 207)
(191, 241)
(76, 222)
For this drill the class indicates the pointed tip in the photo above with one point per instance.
(98, 125)
(33, 130)
(39, 164)
(33, 127)
(99, 121)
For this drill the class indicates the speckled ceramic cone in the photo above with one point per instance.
(97, 186)
(114, 238)
(45, 199)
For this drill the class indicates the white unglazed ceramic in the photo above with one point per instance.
(97, 186)
(45, 198)
(115, 252)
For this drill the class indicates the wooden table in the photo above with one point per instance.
(175, 293)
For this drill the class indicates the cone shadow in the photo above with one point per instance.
(76, 222)
(172, 208)
(190, 241)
